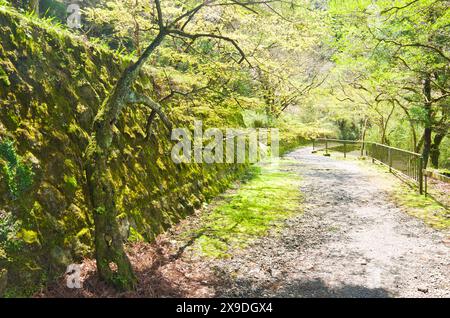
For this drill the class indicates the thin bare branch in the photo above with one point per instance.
(135, 98)
(190, 14)
(160, 14)
(398, 8)
(196, 36)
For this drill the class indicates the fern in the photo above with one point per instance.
(19, 176)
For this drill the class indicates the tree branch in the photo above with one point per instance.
(160, 14)
(398, 8)
(135, 98)
(427, 46)
(189, 14)
(196, 36)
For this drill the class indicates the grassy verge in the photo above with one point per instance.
(424, 208)
(267, 196)
(415, 204)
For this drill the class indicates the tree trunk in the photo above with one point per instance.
(113, 264)
(385, 124)
(435, 151)
(419, 144)
(426, 146)
(428, 122)
(415, 146)
(363, 136)
(414, 135)
(137, 30)
(383, 135)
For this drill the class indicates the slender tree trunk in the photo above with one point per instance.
(426, 146)
(386, 123)
(428, 123)
(112, 262)
(383, 134)
(419, 144)
(137, 30)
(414, 136)
(363, 136)
(413, 132)
(413, 129)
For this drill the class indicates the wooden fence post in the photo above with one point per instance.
(390, 159)
(373, 153)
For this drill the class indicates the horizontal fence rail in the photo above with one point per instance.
(407, 163)
(344, 146)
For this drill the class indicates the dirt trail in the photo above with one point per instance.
(351, 241)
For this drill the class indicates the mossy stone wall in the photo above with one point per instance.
(51, 85)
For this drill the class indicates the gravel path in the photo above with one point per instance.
(351, 241)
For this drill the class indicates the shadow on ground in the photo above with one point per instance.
(315, 288)
(160, 273)
(318, 289)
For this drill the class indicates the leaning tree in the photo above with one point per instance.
(113, 264)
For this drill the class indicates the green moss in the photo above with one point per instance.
(84, 232)
(100, 210)
(213, 247)
(4, 77)
(29, 236)
(268, 196)
(135, 236)
(160, 164)
(71, 182)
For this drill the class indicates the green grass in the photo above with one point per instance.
(424, 208)
(268, 196)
